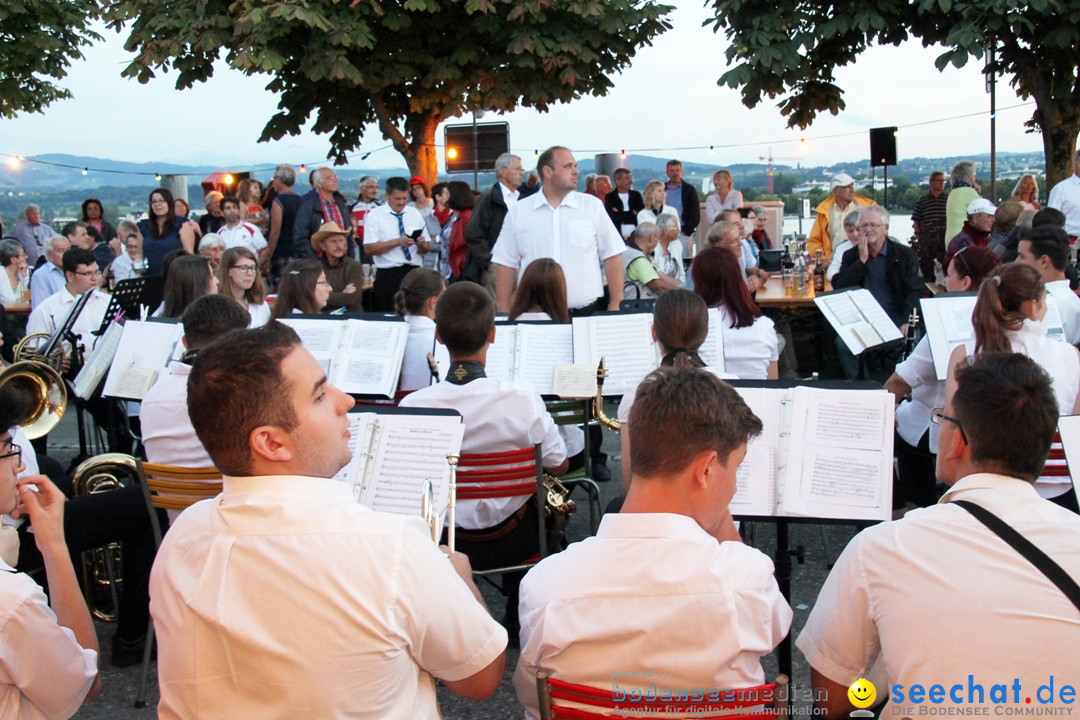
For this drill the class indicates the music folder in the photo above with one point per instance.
(142, 355)
(858, 319)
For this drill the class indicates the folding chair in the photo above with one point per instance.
(513, 473)
(762, 702)
(170, 487)
(576, 413)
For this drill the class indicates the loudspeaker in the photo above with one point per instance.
(882, 146)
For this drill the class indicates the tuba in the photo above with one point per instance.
(103, 566)
(30, 348)
(598, 401)
(46, 389)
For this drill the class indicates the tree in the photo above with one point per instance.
(406, 65)
(38, 41)
(792, 49)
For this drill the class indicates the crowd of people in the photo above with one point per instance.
(391, 612)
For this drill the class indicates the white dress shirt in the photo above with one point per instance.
(415, 371)
(1065, 196)
(260, 314)
(1068, 307)
(938, 597)
(927, 393)
(498, 416)
(651, 592)
(284, 598)
(51, 314)
(381, 224)
(748, 351)
(577, 234)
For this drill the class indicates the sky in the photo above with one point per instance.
(665, 103)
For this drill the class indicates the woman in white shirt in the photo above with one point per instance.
(751, 349)
(1008, 317)
(304, 289)
(415, 302)
(238, 278)
(655, 205)
(668, 255)
(916, 380)
(13, 259)
(541, 294)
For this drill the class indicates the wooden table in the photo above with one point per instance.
(17, 309)
(772, 297)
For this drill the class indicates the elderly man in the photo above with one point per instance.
(688, 433)
(997, 618)
(1065, 196)
(213, 218)
(367, 201)
(603, 186)
(828, 229)
(324, 205)
(487, 220)
(49, 278)
(928, 222)
(395, 235)
(624, 203)
(964, 192)
(32, 233)
(568, 226)
(976, 231)
(285, 541)
(345, 275)
(1046, 249)
(728, 235)
(280, 250)
(683, 196)
(726, 196)
(643, 280)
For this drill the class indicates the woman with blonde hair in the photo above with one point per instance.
(1026, 192)
(238, 278)
(655, 197)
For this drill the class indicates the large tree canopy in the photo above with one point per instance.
(38, 41)
(406, 65)
(792, 48)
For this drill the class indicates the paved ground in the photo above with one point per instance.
(820, 546)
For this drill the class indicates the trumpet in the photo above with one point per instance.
(45, 387)
(452, 460)
(598, 401)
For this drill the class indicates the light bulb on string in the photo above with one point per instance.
(85, 171)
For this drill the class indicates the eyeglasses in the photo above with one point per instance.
(938, 417)
(960, 256)
(871, 226)
(15, 452)
(159, 201)
(88, 273)
(245, 269)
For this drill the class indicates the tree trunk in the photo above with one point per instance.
(1059, 143)
(416, 144)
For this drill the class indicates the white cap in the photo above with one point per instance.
(982, 205)
(841, 180)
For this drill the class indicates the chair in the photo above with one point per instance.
(551, 691)
(576, 413)
(170, 487)
(513, 473)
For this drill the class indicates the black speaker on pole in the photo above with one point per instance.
(882, 146)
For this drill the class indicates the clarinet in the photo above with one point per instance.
(912, 337)
(433, 366)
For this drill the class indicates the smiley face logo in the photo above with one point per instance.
(862, 693)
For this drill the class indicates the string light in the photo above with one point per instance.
(85, 170)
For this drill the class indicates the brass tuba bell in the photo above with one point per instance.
(46, 389)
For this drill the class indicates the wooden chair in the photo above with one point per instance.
(513, 473)
(576, 413)
(762, 702)
(170, 487)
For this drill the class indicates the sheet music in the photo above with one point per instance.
(412, 449)
(1055, 329)
(322, 338)
(415, 371)
(626, 344)
(98, 361)
(539, 349)
(755, 482)
(500, 354)
(370, 363)
(573, 381)
(947, 320)
(849, 310)
(712, 350)
(148, 345)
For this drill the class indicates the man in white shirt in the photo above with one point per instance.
(237, 233)
(568, 226)
(666, 584)
(1065, 196)
(395, 235)
(487, 220)
(81, 276)
(49, 277)
(1046, 249)
(499, 416)
(387, 613)
(944, 607)
(167, 432)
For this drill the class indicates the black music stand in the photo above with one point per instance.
(783, 554)
(133, 294)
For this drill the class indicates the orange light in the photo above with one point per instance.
(14, 162)
(452, 153)
(228, 179)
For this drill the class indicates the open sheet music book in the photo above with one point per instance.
(947, 320)
(360, 357)
(527, 351)
(858, 318)
(823, 453)
(142, 355)
(98, 361)
(395, 451)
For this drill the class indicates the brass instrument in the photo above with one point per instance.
(451, 521)
(428, 511)
(46, 388)
(103, 566)
(29, 348)
(598, 401)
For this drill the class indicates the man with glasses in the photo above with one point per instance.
(325, 205)
(888, 269)
(940, 603)
(81, 275)
(395, 235)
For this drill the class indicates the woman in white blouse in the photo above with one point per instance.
(655, 198)
(415, 302)
(13, 259)
(238, 278)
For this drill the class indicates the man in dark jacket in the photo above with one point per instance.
(487, 220)
(623, 203)
(326, 205)
(683, 196)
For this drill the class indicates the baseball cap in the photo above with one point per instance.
(841, 180)
(982, 205)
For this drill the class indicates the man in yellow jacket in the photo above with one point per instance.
(828, 230)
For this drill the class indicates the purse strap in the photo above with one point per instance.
(1025, 547)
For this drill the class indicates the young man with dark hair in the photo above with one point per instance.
(81, 276)
(937, 597)
(395, 235)
(667, 565)
(1046, 248)
(286, 542)
(237, 233)
(498, 416)
(168, 435)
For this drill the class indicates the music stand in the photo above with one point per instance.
(131, 294)
(63, 331)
